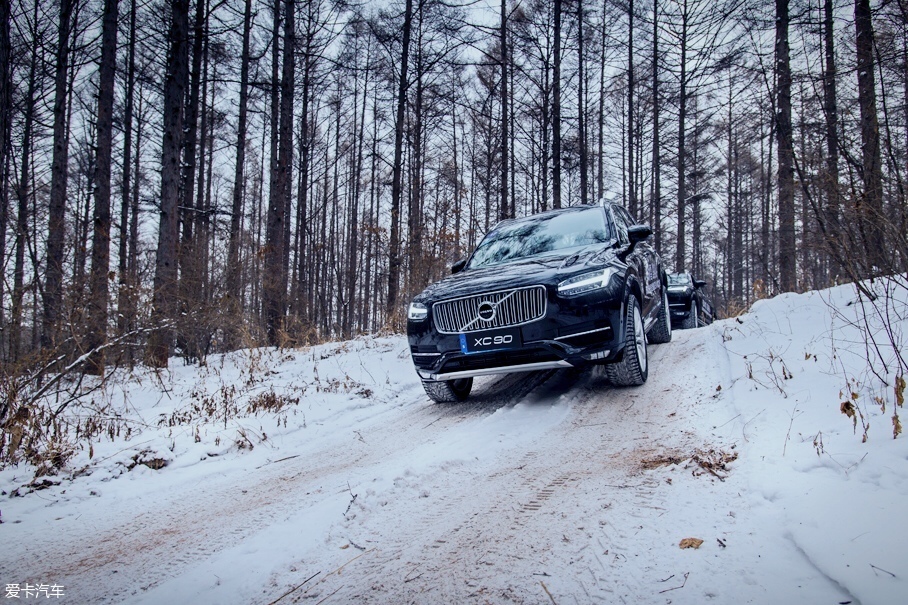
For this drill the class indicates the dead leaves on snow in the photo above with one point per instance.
(713, 461)
(690, 543)
(649, 464)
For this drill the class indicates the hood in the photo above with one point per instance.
(547, 269)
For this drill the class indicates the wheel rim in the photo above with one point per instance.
(639, 338)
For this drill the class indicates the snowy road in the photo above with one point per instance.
(519, 487)
(543, 488)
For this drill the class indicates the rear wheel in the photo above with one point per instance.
(662, 331)
(448, 391)
(633, 369)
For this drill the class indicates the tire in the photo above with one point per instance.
(448, 391)
(633, 368)
(690, 322)
(661, 332)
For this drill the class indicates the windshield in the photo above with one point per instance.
(541, 234)
(679, 279)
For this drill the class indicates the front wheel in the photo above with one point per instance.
(448, 391)
(633, 368)
(690, 322)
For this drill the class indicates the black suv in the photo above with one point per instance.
(691, 307)
(563, 288)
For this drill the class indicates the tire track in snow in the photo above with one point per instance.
(495, 539)
(114, 553)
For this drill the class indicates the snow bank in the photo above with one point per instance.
(793, 361)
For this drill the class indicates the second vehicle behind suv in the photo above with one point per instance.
(690, 306)
(558, 289)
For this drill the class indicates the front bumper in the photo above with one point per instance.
(573, 332)
(679, 307)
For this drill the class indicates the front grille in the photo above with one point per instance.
(511, 308)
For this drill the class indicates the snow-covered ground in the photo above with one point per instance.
(543, 488)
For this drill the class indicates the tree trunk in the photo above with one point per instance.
(22, 195)
(680, 252)
(416, 157)
(126, 289)
(354, 217)
(273, 227)
(504, 210)
(556, 112)
(600, 140)
(132, 266)
(56, 226)
(199, 263)
(188, 207)
(581, 109)
(831, 180)
(302, 198)
(657, 159)
(234, 292)
(870, 203)
(631, 184)
(278, 206)
(396, 187)
(100, 242)
(787, 252)
(5, 132)
(165, 279)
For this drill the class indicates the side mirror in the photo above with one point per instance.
(638, 233)
(458, 266)
(699, 283)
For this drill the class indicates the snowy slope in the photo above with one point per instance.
(545, 487)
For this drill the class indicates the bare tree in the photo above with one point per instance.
(396, 186)
(505, 210)
(5, 132)
(657, 156)
(787, 256)
(631, 185)
(56, 231)
(234, 292)
(830, 107)
(870, 203)
(127, 285)
(556, 112)
(275, 284)
(165, 280)
(100, 247)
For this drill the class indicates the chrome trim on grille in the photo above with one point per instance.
(582, 333)
(514, 307)
(526, 367)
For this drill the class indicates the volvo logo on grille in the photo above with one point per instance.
(486, 311)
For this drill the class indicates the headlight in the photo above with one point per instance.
(586, 282)
(417, 312)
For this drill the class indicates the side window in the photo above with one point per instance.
(621, 226)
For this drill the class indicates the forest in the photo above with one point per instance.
(180, 178)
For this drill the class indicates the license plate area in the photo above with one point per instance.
(496, 340)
